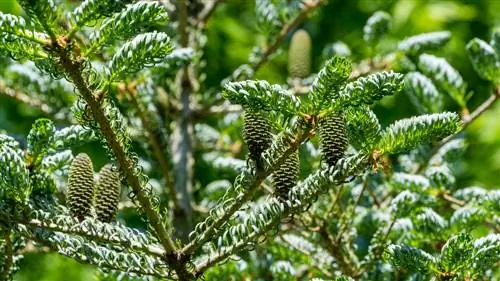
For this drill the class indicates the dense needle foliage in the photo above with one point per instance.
(312, 187)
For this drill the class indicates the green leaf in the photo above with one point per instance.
(449, 152)
(367, 90)
(283, 270)
(403, 203)
(415, 183)
(417, 44)
(440, 176)
(376, 27)
(72, 136)
(456, 253)
(18, 42)
(495, 41)
(410, 258)
(38, 138)
(467, 217)
(42, 12)
(128, 22)
(408, 133)
(91, 10)
(444, 76)
(486, 251)
(485, 60)
(144, 50)
(430, 222)
(267, 16)
(423, 94)
(363, 127)
(260, 95)
(331, 78)
(14, 184)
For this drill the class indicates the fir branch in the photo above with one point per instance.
(250, 187)
(467, 120)
(96, 231)
(74, 70)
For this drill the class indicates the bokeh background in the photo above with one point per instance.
(232, 34)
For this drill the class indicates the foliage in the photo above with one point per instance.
(317, 197)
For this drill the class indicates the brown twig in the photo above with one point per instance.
(158, 150)
(22, 97)
(335, 250)
(207, 11)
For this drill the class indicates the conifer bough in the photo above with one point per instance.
(80, 186)
(107, 193)
(333, 135)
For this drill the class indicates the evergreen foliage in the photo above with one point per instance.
(318, 199)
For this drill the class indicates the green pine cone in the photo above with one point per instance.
(80, 186)
(257, 134)
(299, 54)
(286, 176)
(107, 194)
(333, 135)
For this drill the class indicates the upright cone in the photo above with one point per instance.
(107, 194)
(257, 135)
(80, 186)
(286, 176)
(333, 135)
(299, 54)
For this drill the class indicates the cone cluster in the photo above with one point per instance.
(299, 54)
(83, 195)
(257, 135)
(286, 176)
(333, 136)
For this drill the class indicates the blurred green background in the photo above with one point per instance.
(232, 33)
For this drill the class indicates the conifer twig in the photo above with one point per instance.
(149, 249)
(467, 121)
(249, 191)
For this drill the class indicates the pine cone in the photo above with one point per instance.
(257, 135)
(80, 186)
(299, 54)
(333, 138)
(108, 194)
(286, 176)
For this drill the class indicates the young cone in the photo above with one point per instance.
(333, 138)
(257, 135)
(108, 194)
(286, 176)
(80, 186)
(299, 54)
